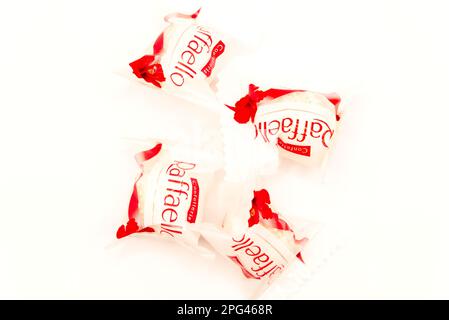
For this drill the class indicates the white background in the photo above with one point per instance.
(66, 171)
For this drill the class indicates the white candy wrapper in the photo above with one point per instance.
(185, 60)
(244, 157)
(300, 123)
(261, 243)
(169, 194)
(182, 195)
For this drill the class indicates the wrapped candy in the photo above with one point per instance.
(260, 241)
(180, 194)
(184, 59)
(168, 196)
(301, 123)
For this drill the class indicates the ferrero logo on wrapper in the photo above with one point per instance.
(257, 257)
(194, 55)
(177, 198)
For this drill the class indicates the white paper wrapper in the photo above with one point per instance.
(300, 125)
(324, 244)
(264, 256)
(170, 193)
(263, 252)
(191, 58)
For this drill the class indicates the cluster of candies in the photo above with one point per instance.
(171, 194)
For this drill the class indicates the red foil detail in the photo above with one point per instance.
(299, 256)
(334, 99)
(148, 154)
(148, 67)
(260, 208)
(276, 93)
(133, 207)
(182, 15)
(301, 150)
(130, 228)
(193, 210)
(158, 45)
(261, 203)
(195, 14)
(246, 108)
(253, 217)
(144, 68)
(216, 52)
